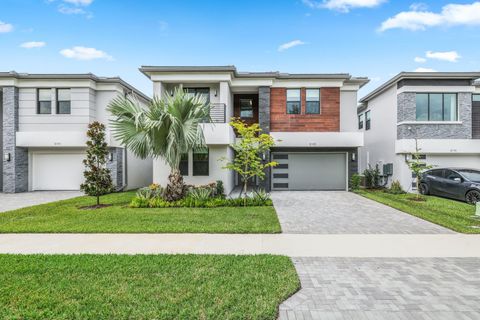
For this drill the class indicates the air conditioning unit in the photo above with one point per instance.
(388, 169)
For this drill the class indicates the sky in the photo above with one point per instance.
(368, 38)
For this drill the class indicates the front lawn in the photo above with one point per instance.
(452, 214)
(64, 216)
(144, 286)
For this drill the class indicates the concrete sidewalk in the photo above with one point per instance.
(293, 245)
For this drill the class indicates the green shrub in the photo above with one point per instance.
(152, 191)
(355, 181)
(261, 195)
(191, 202)
(395, 188)
(220, 191)
(372, 177)
(201, 194)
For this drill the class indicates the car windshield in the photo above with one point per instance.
(472, 175)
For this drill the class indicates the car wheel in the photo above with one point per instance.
(472, 197)
(424, 189)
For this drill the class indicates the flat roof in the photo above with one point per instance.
(147, 70)
(420, 75)
(74, 76)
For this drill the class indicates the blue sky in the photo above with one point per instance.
(374, 38)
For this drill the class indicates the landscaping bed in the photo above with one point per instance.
(144, 286)
(66, 217)
(451, 214)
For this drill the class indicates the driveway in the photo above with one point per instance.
(385, 288)
(12, 201)
(340, 212)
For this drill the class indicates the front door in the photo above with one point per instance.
(245, 107)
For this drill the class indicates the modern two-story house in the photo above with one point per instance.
(312, 118)
(44, 118)
(439, 110)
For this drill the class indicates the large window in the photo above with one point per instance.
(312, 103)
(63, 101)
(44, 103)
(293, 101)
(360, 121)
(204, 92)
(246, 108)
(184, 164)
(436, 107)
(200, 162)
(367, 120)
(476, 97)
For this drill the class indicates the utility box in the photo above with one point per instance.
(388, 169)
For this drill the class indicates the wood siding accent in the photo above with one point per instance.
(327, 121)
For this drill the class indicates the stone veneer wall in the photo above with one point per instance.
(15, 171)
(406, 111)
(264, 121)
(116, 168)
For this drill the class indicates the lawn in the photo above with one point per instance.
(144, 286)
(452, 214)
(65, 217)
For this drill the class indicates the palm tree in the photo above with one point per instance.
(166, 128)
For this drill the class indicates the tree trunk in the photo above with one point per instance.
(176, 188)
(98, 200)
(245, 185)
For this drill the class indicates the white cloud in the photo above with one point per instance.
(342, 5)
(70, 10)
(33, 44)
(5, 27)
(451, 56)
(83, 53)
(290, 44)
(419, 6)
(420, 19)
(420, 60)
(79, 2)
(425, 70)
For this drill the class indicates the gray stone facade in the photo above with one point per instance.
(406, 112)
(264, 121)
(15, 171)
(116, 167)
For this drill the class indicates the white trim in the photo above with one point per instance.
(429, 122)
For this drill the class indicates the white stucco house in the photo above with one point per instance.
(441, 110)
(44, 118)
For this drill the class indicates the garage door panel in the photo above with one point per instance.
(57, 171)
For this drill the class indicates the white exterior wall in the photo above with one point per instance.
(161, 170)
(348, 111)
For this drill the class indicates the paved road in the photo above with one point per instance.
(406, 288)
(12, 201)
(339, 212)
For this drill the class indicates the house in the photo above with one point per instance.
(438, 110)
(44, 120)
(312, 117)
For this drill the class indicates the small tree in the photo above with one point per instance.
(252, 144)
(97, 177)
(417, 167)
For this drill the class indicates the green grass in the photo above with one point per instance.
(64, 216)
(451, 214)
(144, 286)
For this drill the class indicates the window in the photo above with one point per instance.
(246, 108)
(367, 120)
(436, 173)
(436, 106)
(184, 164)
(44, 104)
(204, 92)
(200, 162)
(360, 121)
(293, 101)
(312, 103)
(63, 101)
(476, 97)
(450, 175)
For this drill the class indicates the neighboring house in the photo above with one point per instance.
(441, 110)
(311, 116)
(44, 121)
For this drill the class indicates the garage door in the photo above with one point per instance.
(57, 171)
(309, 171)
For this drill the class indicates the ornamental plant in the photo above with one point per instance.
(98, 180)
(417, 166)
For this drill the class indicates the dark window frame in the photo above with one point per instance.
(194, 173)
(306, 101)
(368, 120)
(182, 161)
(251, 108)
(57, 102)
(443, 106)
(361, 118)
(38, 100)
(198, 88)
(299, 100)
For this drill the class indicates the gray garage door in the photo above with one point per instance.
(309, 171)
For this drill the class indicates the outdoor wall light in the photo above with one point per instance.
(354, 156)
(171, 93)
(215, 92)
(110, 156)
(7, 156)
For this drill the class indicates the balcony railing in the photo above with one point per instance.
(218, 113)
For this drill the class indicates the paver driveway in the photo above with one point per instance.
(335, 212)
(388, 288)
(12, 201)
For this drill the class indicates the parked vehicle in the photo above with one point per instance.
(455, 183)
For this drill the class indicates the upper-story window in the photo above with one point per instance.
(204, 92)
(63, 101)
(436, 107)
(476, 97)
(293, 101)
(246, 108)
(360, 121)
(312, 103)
(44, 101)
(367, 120)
